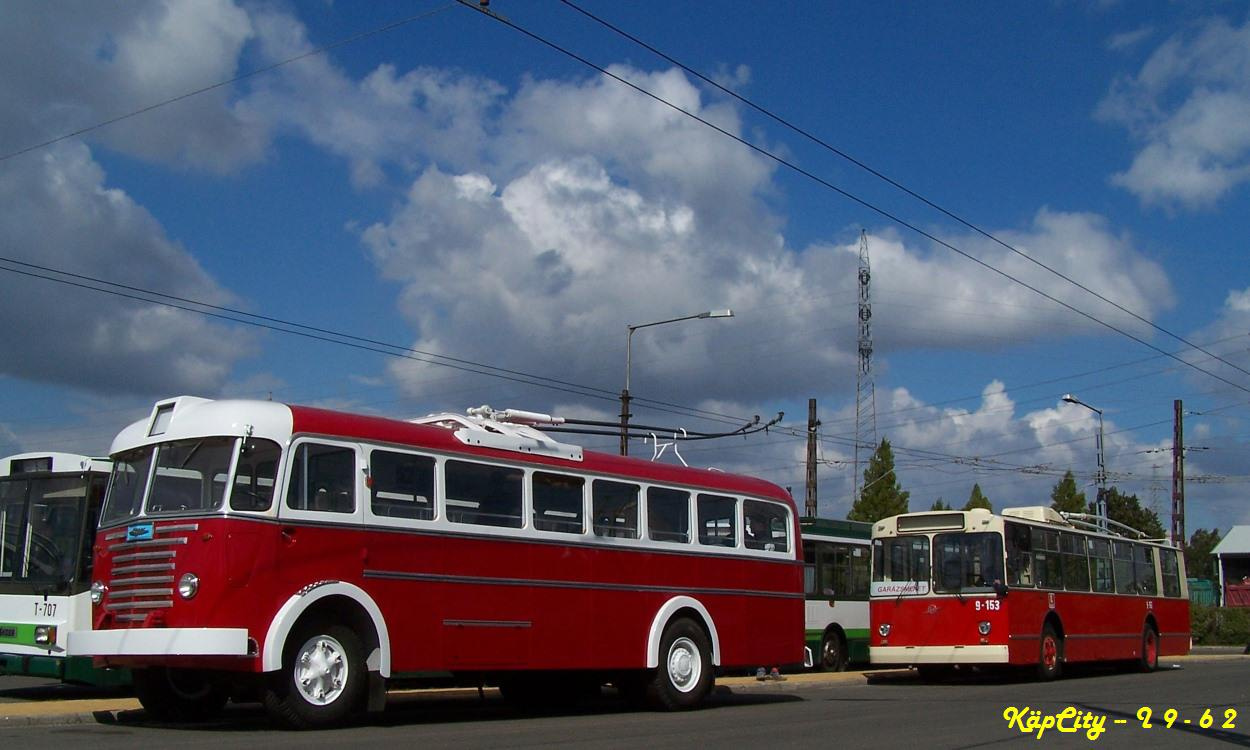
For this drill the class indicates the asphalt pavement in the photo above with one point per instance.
(36, 702)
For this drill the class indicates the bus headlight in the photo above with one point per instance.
(983, 627)
(98, 590)
(884, 629)
(45, 635)
(188, 585)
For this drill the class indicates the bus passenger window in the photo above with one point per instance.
(558, 502)
(718, 520)
(615, 509)
(323, 478)
(767, 526)
(484, 495)
(668, 515)
(403, 485)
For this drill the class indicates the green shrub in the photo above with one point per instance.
(1219, 626)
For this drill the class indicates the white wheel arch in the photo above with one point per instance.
(665, 615)
(379, 660)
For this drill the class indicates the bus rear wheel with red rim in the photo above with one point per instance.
(1050, 660)
(323, 679)
(684, 677)
(1149, 649)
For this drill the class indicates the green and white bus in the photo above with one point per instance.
(836, 557)
(49, 506)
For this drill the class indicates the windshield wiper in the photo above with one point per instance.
(190, 455)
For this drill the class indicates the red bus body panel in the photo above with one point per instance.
(1094, 627)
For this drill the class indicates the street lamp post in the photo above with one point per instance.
(1100, 506)
(629, 340)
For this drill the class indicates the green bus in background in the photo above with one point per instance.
(836, 557)
(49, 506)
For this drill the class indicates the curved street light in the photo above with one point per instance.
(629, 340)
(1100, 505)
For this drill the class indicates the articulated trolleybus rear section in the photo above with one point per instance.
(49, 503)
(307, 557)
(1027, 587)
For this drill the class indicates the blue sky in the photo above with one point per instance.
(457, 187)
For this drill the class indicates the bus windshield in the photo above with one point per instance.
(190, 476)
(900, 565)
(40, 522)
(967, 563)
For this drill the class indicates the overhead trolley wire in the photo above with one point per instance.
(845, 193)
(889, 180)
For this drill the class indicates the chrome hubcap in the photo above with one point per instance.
(321, 670)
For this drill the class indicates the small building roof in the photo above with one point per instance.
(1236, 542)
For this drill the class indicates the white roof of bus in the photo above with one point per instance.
(61, 462)
(193, 417)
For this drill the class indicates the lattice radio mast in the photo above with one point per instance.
(865, 391)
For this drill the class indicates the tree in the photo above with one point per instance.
(1064, 497)
(1127, 510)
(940, 505)
(881, 495)
(977, 499)
(1198, 560)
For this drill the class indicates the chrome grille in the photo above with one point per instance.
(142, 576)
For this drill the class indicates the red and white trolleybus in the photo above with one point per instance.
(1026, 587)
(309, 556)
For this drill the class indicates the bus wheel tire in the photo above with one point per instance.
(179, 695)
(1050, 656)
(323, 680)
(832, 652)
(1149, 649)
(684, 676)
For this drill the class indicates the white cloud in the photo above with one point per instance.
(59, 212)
(1189, 106)
(76, 64)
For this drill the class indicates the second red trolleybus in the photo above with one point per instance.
(308, 557)
(1026, 587)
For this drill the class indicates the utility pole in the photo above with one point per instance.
(1178, 475)
(810, 509)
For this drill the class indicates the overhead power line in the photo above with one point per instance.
(848, 195)
(889, 180)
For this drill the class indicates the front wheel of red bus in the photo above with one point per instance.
(1050, 660)
(1149, 649)
(684, 677)
(323, 679)
(179, 695)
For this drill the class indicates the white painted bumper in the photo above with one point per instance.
(160, 642)
(937, 655)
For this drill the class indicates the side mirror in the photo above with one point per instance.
(1000, 588)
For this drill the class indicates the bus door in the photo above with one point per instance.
(320, 516)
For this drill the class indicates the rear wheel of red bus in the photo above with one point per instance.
(1149, 649)
(684, 677)
(323, 679)
(1050, 659)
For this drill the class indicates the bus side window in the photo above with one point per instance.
(1019, 556)
(558, 502)
(323, 478)
(402, 484)
(668, 515)
(615, 509)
